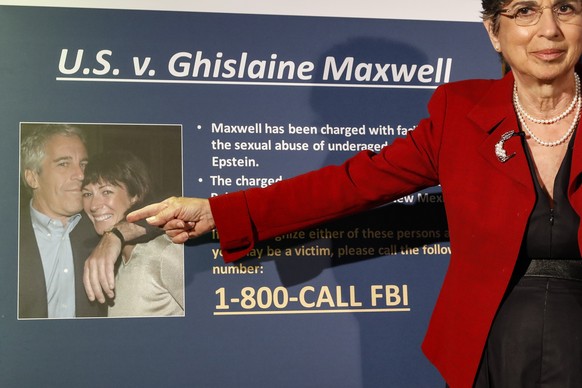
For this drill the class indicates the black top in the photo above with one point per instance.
(552, 230)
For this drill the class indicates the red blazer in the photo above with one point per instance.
(487, 204)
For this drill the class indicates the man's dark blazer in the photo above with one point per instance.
(32, 298)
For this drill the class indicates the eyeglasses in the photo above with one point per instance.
(529, 15)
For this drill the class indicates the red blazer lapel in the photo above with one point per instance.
(495, 115)
(574, 191)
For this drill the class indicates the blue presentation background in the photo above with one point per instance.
(201, 350)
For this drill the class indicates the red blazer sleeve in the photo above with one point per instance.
(362, 182)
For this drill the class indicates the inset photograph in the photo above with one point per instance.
(78, 182)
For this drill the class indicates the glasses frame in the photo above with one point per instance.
(539, 11)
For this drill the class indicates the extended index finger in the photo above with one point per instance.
(148, 212)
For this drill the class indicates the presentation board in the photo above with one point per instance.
(252, 99)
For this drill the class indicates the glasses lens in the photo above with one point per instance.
(526, 16)
(568, 10)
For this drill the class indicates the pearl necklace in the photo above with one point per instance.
(560, 140)
(553, 119)
(522, 115)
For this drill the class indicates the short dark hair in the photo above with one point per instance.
(120, 167)
(490, 11)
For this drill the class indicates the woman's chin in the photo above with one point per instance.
(101, 228)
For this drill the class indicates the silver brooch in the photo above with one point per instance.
(500, 151)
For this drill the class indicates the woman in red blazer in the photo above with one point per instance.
(507, 159)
